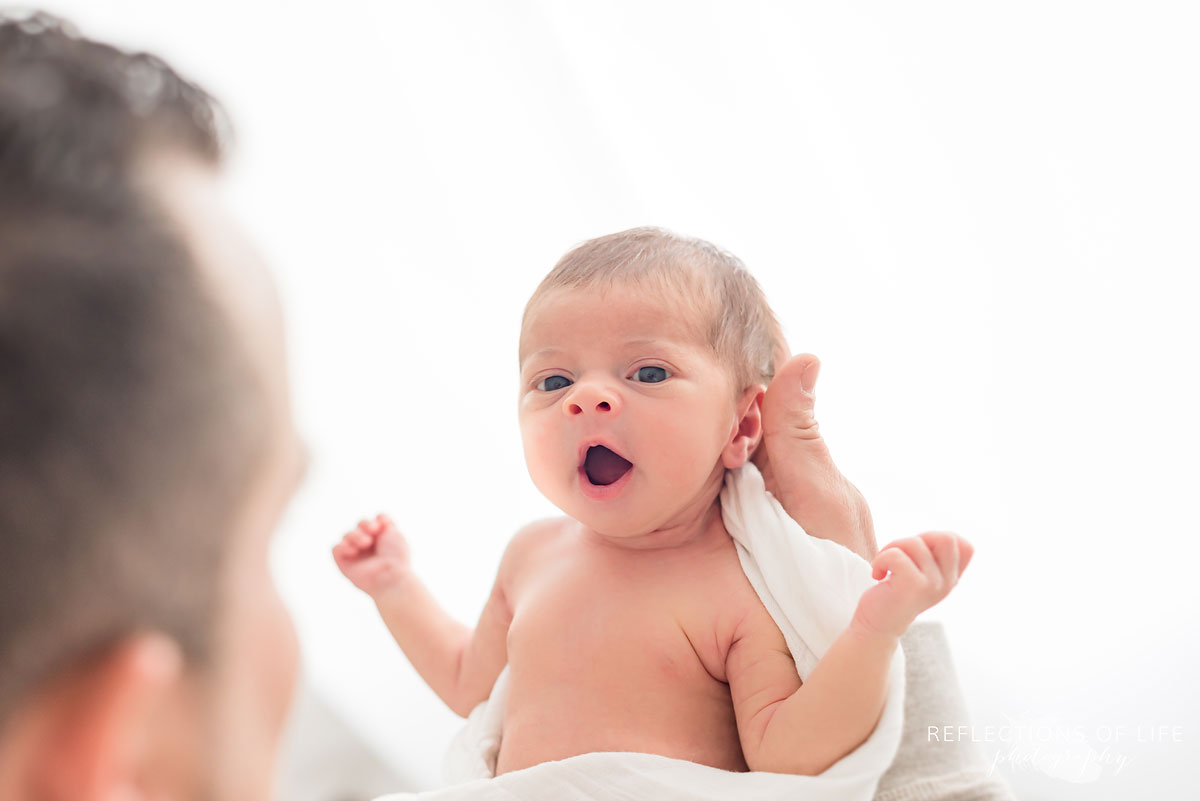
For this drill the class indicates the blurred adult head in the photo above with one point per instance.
(147, 447)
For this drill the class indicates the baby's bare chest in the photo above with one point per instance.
(596, 618)
(623, 653)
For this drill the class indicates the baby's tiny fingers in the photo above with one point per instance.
(346, 549)
(965, 551)
(894, 559)
(343, 552)
(360, 538)
(944, 546)
(882, 561)
(922, 557)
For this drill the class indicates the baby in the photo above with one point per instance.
(629, 625)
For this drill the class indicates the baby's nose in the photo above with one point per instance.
(591, 398)
(601, 406)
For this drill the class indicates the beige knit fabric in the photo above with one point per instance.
(926, 770)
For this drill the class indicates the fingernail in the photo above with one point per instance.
(808, 379)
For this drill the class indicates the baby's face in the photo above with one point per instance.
(625, 411)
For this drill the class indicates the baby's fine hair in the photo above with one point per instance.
(737, 321)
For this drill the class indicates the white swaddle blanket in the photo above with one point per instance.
(810, 587)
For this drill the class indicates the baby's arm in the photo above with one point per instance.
(460, 664)
(788, 728)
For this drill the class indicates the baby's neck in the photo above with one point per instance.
(697, 525)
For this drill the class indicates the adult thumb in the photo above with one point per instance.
(791, 398)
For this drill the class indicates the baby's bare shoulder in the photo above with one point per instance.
(529, 543)
(537, 534)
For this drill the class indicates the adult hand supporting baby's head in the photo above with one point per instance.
(798, 468)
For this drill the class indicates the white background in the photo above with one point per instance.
(982, 217)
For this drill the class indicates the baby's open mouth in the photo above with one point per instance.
(603, 467)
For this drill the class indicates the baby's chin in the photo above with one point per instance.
(619, 521)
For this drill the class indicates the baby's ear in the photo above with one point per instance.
(747, 432)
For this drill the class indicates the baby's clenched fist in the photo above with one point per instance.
(916, 573)
(374, 556)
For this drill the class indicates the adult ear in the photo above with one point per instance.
(96, 730)
(747, 431)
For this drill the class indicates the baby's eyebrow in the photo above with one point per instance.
(539, 353)
(678, 351)
(633, 343)
(638, 342)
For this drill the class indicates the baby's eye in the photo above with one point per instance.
(553, 382)
(651, 375)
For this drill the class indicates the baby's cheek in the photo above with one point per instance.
(532, 435)
(687, 451)
(700, 447)
(541, 458)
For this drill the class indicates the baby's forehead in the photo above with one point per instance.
(680, 316)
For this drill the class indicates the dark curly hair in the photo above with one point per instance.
(128, 412)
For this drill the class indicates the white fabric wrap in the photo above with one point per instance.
(810, 587)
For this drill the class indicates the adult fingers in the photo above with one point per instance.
(791, 397)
